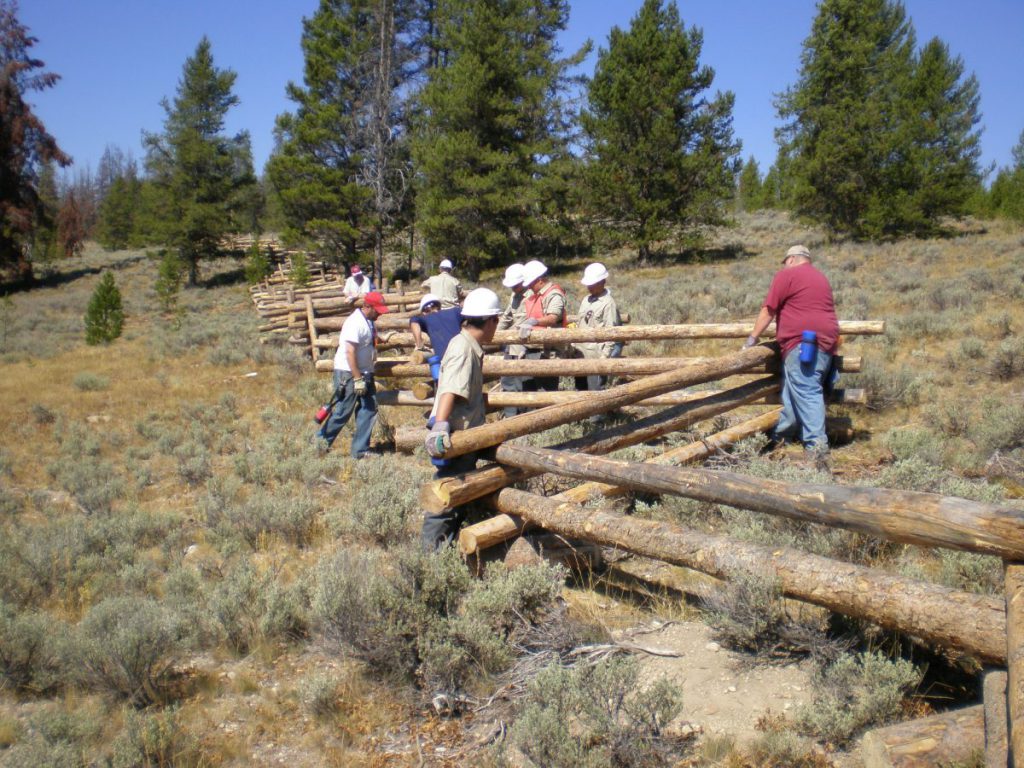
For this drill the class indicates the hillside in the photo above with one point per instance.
(186, 580)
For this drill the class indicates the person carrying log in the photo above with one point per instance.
(444, 286)
(357, 284)
(512, 317)
(544, 307)
(807, 330)
(354, 390)
(459, 404)
(597, 310)
(441, 325)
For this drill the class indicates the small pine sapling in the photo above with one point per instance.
(104, 317)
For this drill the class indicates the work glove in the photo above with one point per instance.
(439, 441)
(526, 327)
(751, 341)
(359, 385)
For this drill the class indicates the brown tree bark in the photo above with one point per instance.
(912, 517)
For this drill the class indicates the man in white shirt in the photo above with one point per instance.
(354, 389)
(357, 284)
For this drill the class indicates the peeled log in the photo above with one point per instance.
(438, 495)
(495, 366)
(560, 337)
(684, 454)
(974, 624)
(996, 742)
(912, 517)
(499, 399)
(593, 403)
(943, 739)
(1013, 576)
(500, 528)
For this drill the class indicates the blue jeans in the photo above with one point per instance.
(365, 408)
(803, 399)
(441, 529)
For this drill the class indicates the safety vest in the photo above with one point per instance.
(534, 303)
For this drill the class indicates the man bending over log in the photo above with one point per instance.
(807, 330)
(459, 404)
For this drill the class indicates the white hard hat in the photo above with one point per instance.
(532, 270)
(594, 273)
(429, 298)
(481, 302)
(513, 276)
(445, 264)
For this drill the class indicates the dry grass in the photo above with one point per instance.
(180, 443)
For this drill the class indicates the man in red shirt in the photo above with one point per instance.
(800, 301)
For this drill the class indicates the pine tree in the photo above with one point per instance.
(168, 281)
(25, 145)
(104, 317)
(1006, 197)
(339, 167)
(493, 113)
(257, 265)
(662, 153)
(751, 189)
(881, 141)
(116, 228)
(203, 175)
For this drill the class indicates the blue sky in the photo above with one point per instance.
(119, 58)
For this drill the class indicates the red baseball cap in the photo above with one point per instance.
(375, 301)
(356, 270)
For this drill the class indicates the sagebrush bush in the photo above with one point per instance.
(319, 693)
(748, 613)
(422, 613)
(382, 499)
(154, 738)
(90, 382)
(30, 650)
(281, 514)
(856, 692)
(250, 608)
(597, 716)
(127, 646)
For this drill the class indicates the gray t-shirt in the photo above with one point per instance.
(462, 374)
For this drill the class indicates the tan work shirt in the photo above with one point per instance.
(462, 374)
(597, 312)
(513, 317)
(445, 287)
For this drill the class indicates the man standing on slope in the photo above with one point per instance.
(357, 284)
(512, 317)
(353, 376)
(459, 404)
(444, 286)
(597, 310)
(800, 300)
(544, 306)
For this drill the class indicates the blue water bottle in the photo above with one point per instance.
(808, 347)
(434, 361)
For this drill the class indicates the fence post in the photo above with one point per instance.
(1014, 578)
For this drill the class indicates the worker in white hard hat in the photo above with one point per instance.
(597, 310)
(513, 317)
(544, 306)
(459, 404)
(444, 285)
